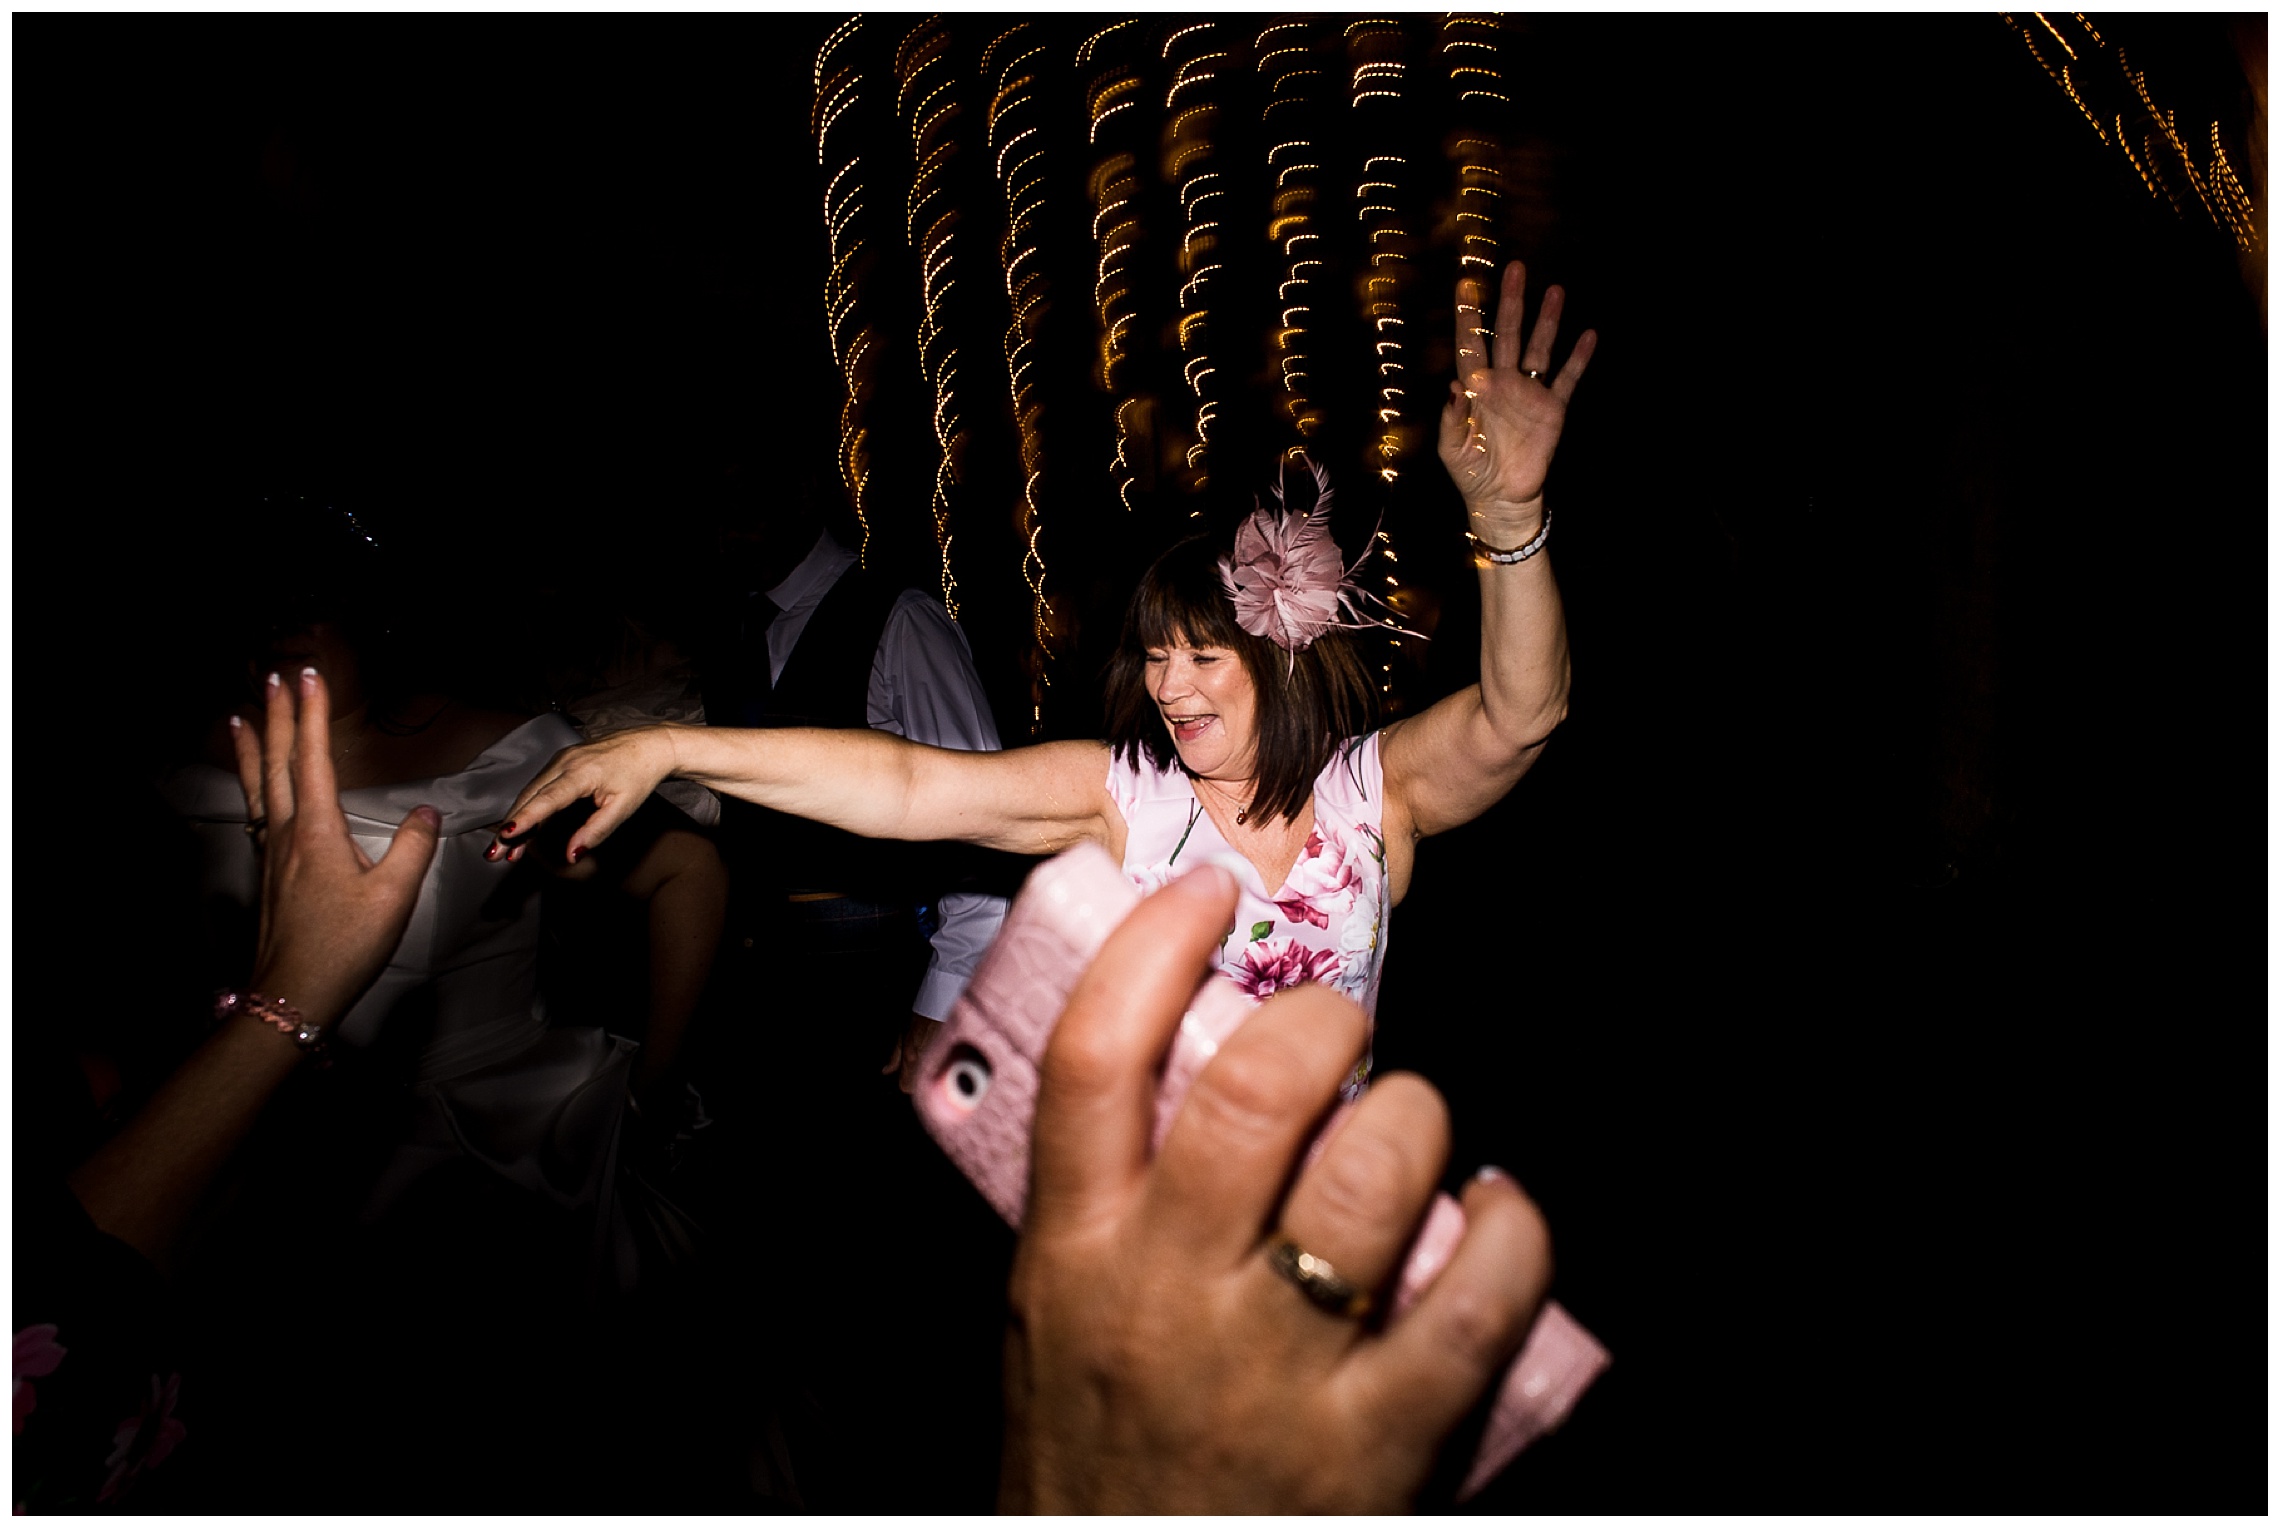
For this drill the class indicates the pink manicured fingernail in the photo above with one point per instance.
(308, 679)
(274, 681)
(237, 723)
(1491, 1173)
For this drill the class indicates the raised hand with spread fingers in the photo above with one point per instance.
(1505, 414)
(330, 918)
(1507, 407)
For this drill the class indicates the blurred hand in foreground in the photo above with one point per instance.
(1157, 1361)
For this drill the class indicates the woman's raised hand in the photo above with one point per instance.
(1506, 407)
(330, 917)
(617, 774)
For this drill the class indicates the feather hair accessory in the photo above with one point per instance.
(1286, 578)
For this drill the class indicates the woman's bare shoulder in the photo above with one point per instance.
(1073, 753)
(463, 734)
(1042, 797)
(1073, 771)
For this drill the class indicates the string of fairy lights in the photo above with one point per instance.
(1199, 186)
(2097, 78)
(1017, 143)
(1340, 103)
(1288, 58)
(837, 93)
(1387, 237)
(1115, 187)
(926, 99)
(1376, 49)
(1152, 97)
(1471, 53)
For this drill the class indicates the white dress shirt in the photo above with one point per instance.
(924, 688)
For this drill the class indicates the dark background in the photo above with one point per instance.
(1858, 980)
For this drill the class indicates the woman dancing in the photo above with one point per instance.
(1240, 719)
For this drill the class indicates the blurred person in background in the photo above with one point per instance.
(473, 1182)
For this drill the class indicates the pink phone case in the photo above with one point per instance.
(977, 1093)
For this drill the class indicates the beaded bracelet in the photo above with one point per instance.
(1505, 557)
(273, 1011)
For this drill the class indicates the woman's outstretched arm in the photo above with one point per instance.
(1456, 759)
(1027, 800)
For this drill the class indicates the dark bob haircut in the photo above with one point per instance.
(1306, 710)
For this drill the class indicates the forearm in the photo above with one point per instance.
(1523, 632)
(146, 1181)
(849, 778)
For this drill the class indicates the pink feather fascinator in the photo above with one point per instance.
(1286, 578)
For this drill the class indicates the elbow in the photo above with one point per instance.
(1554, 714)
(1528, 741)
(1549, 712)
(1522, 731)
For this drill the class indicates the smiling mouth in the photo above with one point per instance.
(1187, 729)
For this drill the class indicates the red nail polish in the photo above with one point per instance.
(491, 853)
(507, 829)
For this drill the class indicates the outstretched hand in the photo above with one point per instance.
(1158, 1361)
(1506, 409)
(330, 917)
(617, 772)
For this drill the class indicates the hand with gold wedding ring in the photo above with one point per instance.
(1186, 1336)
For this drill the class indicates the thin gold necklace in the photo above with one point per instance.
(1243, 812)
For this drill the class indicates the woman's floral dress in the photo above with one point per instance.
(1326, 923)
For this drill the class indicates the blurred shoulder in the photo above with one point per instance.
(466, 733)
(918, 616)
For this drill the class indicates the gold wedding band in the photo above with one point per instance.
(1317, 1280)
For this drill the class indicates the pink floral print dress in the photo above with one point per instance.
(1326, 923)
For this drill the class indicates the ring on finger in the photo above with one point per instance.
(1533, 376)
(1316, 1279)
(256, 826)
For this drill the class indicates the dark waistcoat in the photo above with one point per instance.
(826, 683)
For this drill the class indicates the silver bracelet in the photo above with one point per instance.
(1505, 557)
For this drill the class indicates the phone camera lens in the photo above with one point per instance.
(967, 1076)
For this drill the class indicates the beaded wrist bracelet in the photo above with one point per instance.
(1506, 556)
(275, 1012)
